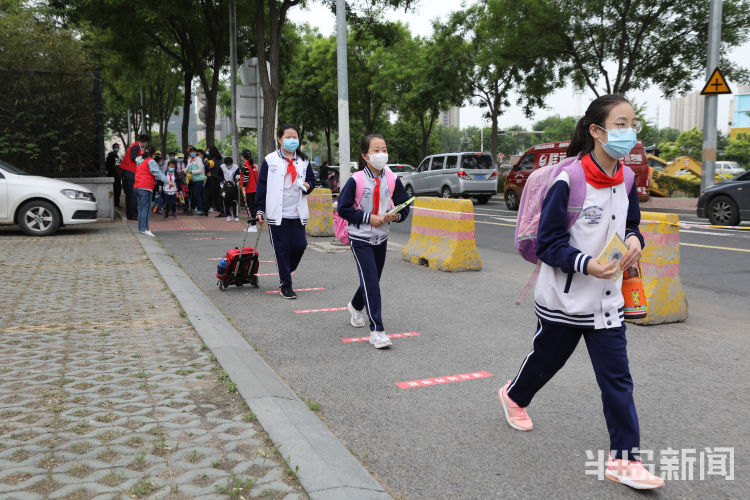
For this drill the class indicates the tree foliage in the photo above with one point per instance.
(738, 149)
(615, 46)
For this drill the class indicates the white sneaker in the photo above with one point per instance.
(358, 321)
(380, 340)
(148, 232)
(210, 210)
(236, 219)
(229, 218)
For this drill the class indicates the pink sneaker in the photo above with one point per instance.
(516, 416)
(632, 473)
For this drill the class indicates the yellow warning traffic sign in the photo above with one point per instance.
(717, 84)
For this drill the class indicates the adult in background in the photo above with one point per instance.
(323, 175)
(196, 175)
(249, 181)
(128, 166)
(284, 180)
(146, 174)
(230, 176)
(112, 164)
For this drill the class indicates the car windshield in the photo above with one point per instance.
(743, 177)
(476, 162)
(10, 168)
(401, 168)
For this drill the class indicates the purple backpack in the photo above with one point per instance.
(532, 197)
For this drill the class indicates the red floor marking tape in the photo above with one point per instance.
(267, 261)
(390, 335)
(268, 274)
(327, 309)
(443, 380)
(196, 234)
(217, 258)
(299, 290)
(200, 239)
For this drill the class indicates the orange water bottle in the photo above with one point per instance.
(632, 292)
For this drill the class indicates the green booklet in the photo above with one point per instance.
(400, 207)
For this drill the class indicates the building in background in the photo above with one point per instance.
(739, 112)
(686, 112)
(451, 118)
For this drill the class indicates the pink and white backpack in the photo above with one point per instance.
(340, 225)
(532, 197)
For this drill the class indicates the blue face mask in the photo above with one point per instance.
(291, 145)
(116, 150)
(192, 154)
(619, 142)
(171, 169)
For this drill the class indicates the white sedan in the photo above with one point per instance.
(40, 205)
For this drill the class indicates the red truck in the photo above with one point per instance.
(550, 153)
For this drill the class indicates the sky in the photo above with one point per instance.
(561, 103)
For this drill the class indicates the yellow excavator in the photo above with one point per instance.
(683, 167)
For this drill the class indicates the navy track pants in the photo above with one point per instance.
(289, 243)
(553, 345)
(370, 260)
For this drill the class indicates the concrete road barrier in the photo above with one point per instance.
(320, 222)
(660, 266)
(442, 235)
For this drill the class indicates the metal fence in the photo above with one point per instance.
(51, 123)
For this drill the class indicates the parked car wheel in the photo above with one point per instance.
(723, 211)
(38, 218)
(446, 192)
(482, 200)
(511, 200)
(409, 190)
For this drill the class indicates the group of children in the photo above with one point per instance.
(576, 296)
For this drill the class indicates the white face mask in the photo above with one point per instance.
(378, 160)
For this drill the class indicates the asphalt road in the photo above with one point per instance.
(451, 440)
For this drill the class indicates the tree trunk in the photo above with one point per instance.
(186, 105)
(493, 141)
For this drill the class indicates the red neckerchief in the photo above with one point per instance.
(290, 169)
(376, 197)
(596, 176)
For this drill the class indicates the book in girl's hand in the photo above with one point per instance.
(615, 250)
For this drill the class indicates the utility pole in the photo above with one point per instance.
(343, 79)
(233, 73)
(712, 101)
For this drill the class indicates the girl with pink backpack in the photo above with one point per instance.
(586, 203)
(364, 204)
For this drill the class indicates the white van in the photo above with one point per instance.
(728, 169)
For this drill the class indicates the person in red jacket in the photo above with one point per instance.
(147, 171)
(128, 167)
(249, 181)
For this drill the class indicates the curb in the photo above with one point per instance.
(326, 469)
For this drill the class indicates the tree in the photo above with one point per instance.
(688, 143)
(497, 35)
(738, 149)
(270, 19)
(47, 111)
(414, 73)
(556, 128)
(309, 95)
(615, 47)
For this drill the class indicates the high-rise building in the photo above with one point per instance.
(451, 118)
(739, 112)
(686, 112)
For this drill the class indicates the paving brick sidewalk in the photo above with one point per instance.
(105, 391)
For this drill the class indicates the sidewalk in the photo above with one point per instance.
(673, 205)
(107, 391)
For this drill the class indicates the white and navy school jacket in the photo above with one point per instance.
(359, 217)
(565, 293)
(273, 182)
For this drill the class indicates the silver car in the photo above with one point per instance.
(454, 174)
